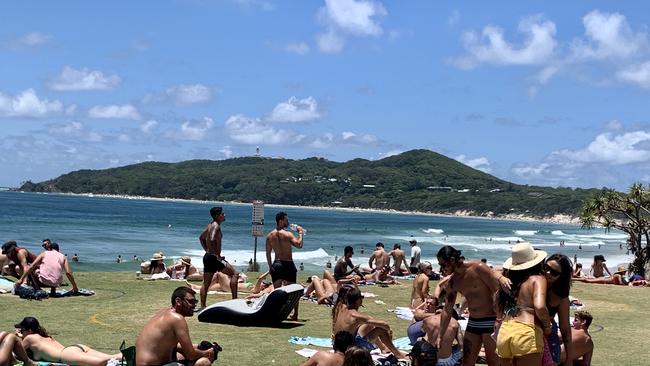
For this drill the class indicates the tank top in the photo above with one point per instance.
(52, 267)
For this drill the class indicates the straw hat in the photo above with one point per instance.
(157, 256)
(186, 260)
(523, 257)
(621, 269)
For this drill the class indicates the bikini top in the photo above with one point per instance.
(513, 311)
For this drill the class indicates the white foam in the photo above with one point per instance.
(433, 231)
(557, 232)
(241, 257)
(512, 239)
(525, 232)
(609, 236)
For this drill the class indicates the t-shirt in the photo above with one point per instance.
(415, 255)
(51, 269)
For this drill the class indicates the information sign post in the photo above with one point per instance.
(257, 228)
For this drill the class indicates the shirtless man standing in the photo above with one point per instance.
(583, 346)
(280, 242)
(367, 331)
(165, 338)
(398, 258)
(477, 283)
(379, 257)
(213, 262)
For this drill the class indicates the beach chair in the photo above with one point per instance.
(269, 310)
(128, 355)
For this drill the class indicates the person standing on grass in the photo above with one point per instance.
(165, 338)
(280, 241)
(213, 262)
(478, 284)
(415, 256)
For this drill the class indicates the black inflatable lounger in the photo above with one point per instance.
(269, 310)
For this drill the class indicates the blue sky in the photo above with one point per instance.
(531, 92)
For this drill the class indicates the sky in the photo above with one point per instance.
(533, 92)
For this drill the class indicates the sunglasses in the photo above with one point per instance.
(551, 271)
(192, 301)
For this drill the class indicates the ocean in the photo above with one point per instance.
(98, 229)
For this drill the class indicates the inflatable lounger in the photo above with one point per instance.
(269, 310)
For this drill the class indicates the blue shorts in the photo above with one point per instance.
(363, 342)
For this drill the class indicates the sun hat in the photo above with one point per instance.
(621, 269)
(157, 256)
(523, 257)
(186, 260)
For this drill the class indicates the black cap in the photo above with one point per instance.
(29, 323)
(8, 245)
(54, 246)
(423, 349)
(413, 241)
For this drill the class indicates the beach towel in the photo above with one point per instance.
(69, 293)
(6, 285)
(401, 343)
(402, 312)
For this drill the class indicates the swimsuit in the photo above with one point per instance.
(481, 325)
(363, 342)
(414, 331)
(66, 347)
(518, 339)
(213, 264)
(283, 270)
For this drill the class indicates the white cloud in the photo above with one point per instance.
(614, 125)
(531, 171)
(346, 137)
(149, 126)
(295, 110)
(28, 104)
(638, 74)
(253, 131)
(227, 152)
(125, 111)
(71, 79)
(482, 163)
(626, 148)
(196, 131)
(608, 36)
(363, 139)
(355, 16)
(491, 47)
(31, 39)
(190, 94)
(390, 153)
(74, 130)
(299, 48)
(330, 42)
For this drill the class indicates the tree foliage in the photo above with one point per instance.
(626, 212)
(418, 180)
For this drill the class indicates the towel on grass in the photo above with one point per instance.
(401, 343)
(403, 312)
(6, 285)
(68, 293)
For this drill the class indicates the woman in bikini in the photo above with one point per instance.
(558, 272)
(41, 347)
(11, 349)
(520, 339)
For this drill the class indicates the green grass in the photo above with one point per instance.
(123, 304)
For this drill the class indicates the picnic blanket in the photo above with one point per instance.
(402, 343)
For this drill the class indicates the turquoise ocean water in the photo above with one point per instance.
(100, 228)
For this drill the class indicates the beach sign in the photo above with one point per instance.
(258, 218)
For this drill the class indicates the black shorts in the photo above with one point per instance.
(481, 325)
(283, 270)
(212, 263)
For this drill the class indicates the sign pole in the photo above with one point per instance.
(257, 228)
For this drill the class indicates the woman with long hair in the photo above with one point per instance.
(40, 346)
(357, 356)
(558, 272)
(520, 339)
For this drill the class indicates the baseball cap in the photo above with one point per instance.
(28, 322)
(54, 246)
(413, 241)
(8, 245)
(423, 349)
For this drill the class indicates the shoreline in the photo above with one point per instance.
(560, 219)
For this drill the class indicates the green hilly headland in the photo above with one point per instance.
(417, 180)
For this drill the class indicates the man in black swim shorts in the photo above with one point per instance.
(213, 262)
(280, 242)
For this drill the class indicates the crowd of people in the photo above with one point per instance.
(517, 314)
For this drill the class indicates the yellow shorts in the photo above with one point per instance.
(517, 339)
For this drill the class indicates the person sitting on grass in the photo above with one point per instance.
(42, 347)
(165, 337)
(368, 332)
(598, 268)
(324, 290)
(577, 273)
(342, 341)
(447, 354)
(420, 291)
(583, 346)
(358, 356)
(19, 258)
(618, 278)
(11, 350)
(51, 265)
(341, 271)
(183, 269)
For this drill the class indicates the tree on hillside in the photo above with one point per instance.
(627, 212)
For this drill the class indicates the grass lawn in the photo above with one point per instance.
(123, 304)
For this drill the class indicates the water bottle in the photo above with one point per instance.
(294, 227)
